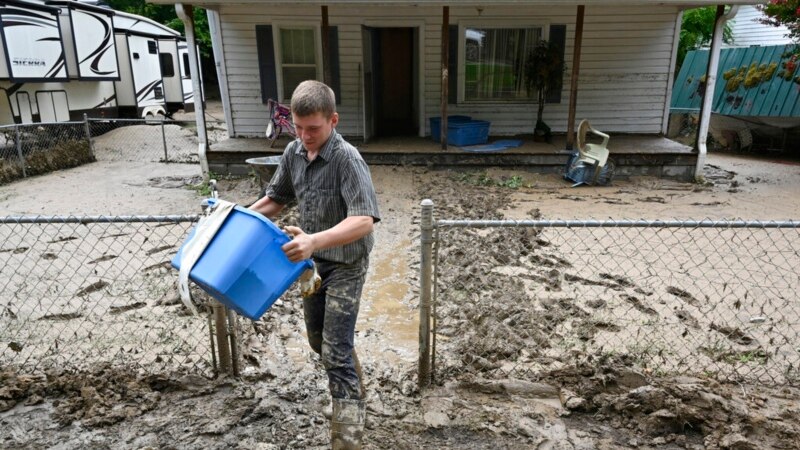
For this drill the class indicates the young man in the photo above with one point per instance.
(338, 207)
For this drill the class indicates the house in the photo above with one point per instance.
(385, 61)
(747, 30)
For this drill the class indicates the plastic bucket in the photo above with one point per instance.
(243, 266)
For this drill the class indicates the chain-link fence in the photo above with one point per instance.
(150, 140)
(33, 149)
(524, 299)
(78, 292)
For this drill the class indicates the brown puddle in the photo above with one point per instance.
(382, 307)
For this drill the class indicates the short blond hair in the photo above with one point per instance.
(311, 97)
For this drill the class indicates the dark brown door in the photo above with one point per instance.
(395, 84)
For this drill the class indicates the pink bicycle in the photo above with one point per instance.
(280, 121)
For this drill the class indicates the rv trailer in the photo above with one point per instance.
(62, 59)
(48, 73)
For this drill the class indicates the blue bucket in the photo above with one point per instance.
(243, 266)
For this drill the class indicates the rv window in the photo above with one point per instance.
(298, 57)
(167, 68)
(186, 72)
(158, 93)
(152, 47)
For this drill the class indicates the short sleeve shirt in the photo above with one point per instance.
(332, 187)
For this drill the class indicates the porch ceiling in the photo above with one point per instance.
(213, 4)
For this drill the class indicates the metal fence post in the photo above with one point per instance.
(233, 337)
(164, 140)
(426, 265)
(88, 132)
(19, 150)
(221, 328)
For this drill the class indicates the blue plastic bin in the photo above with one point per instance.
(461, 130)
(436, 125)
(243, 266)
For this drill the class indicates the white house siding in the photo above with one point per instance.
(747, 30)
(624, 76)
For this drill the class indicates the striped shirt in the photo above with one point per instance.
(332, 187)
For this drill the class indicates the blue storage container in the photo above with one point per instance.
(243, 266)
(461, 130)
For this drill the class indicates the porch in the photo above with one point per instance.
(634, 155)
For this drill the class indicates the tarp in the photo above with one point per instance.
(752, 81)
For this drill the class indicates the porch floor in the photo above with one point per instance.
(632, 154)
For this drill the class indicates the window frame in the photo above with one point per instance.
(278, 49)
(462, 55)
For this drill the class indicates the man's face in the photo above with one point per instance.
(314, 130)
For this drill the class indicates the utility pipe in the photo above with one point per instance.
(186, 14)
(711, 83)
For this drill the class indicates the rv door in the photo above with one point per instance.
(53, 106)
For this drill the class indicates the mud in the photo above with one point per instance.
(582, 401)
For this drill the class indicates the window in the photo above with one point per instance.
(187, 73)
(494, 62)
(167, 68)
(298, 58)
(152, 48)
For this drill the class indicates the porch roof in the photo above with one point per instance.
(213, 4)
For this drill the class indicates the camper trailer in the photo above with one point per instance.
(176, 75)
(62, 59)
(45, 77)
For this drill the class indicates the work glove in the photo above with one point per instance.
(310, 281)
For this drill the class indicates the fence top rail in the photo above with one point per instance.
(98, 219)
(38, 124)
(706, 223)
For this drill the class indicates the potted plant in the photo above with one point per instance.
(543, 74)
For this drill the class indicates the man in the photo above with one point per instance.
(338, 207)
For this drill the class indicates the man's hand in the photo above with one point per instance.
(301, 247)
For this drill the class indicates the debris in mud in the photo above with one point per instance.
(61, 316)
(94, 287)
(652, 199)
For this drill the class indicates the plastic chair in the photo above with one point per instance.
(593, 154)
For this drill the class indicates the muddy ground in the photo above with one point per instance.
(596, 402)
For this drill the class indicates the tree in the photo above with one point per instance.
(786, 13)
(697, 29)
(544, 70)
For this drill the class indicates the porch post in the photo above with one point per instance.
(573, 82)
(445, 73)
(711, 84)
(326, 47)
(186, 14)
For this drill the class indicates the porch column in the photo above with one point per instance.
(573, 82)
(711, 84)
(445, 73)
(186, 14)
(326, 48)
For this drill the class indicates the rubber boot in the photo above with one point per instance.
(347, 424)
(327, 410)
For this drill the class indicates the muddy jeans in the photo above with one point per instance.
(330, 316)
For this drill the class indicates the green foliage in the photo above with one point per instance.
(483, 179)
(204, 188)
(165, 14)
(697, 29)
(786, 13)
